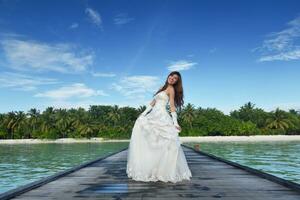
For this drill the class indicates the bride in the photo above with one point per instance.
(155, 152)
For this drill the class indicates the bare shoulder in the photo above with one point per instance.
(170, 90)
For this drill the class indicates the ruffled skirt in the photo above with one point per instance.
(155, 152)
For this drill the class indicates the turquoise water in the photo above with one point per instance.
(24, 163)
(281, 159)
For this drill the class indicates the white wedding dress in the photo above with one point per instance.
(155, 152)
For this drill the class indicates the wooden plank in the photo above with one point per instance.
(212, 178)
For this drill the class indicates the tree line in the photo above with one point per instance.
(116, 122)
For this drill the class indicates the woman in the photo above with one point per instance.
(155, 152)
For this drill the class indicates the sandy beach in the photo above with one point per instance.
(182, 139)
(242, 138)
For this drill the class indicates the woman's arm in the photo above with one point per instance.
(153, 102)
(173, 109)
(149, 107)
(172, 96)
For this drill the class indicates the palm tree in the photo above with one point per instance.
(188, 114)
(63, 121)
(21, 121)
(87, 129)
(9, 123)
(141, 108)
(34, 115)
(278, 120)
(3, 130)
(248, 106)
(77, 117)
(114, 115)
(14, 121)
(294, 112)
(245, 113)
(48, 119)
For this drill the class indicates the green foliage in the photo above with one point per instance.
(248, 113)
(117, 122)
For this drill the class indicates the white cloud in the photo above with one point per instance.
(75, 90)
(180, 65)
(291, 55)
(283, 45)
(23, 82)
(35, 56)
(122, 18)
(94, 16)
(97, 74)
(74, 25)
(136, 86)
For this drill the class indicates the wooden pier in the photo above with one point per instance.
(105, 178)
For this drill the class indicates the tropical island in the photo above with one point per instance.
(114, 122)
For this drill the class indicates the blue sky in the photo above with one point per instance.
(80, 53)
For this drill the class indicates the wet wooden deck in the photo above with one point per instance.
(213, 178)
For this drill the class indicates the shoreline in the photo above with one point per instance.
(182, 139)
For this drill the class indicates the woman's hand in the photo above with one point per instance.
(178, 127)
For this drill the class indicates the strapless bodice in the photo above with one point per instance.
(161, 100)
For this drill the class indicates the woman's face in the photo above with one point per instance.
(173, 79)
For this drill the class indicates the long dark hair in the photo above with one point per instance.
(178, 99)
